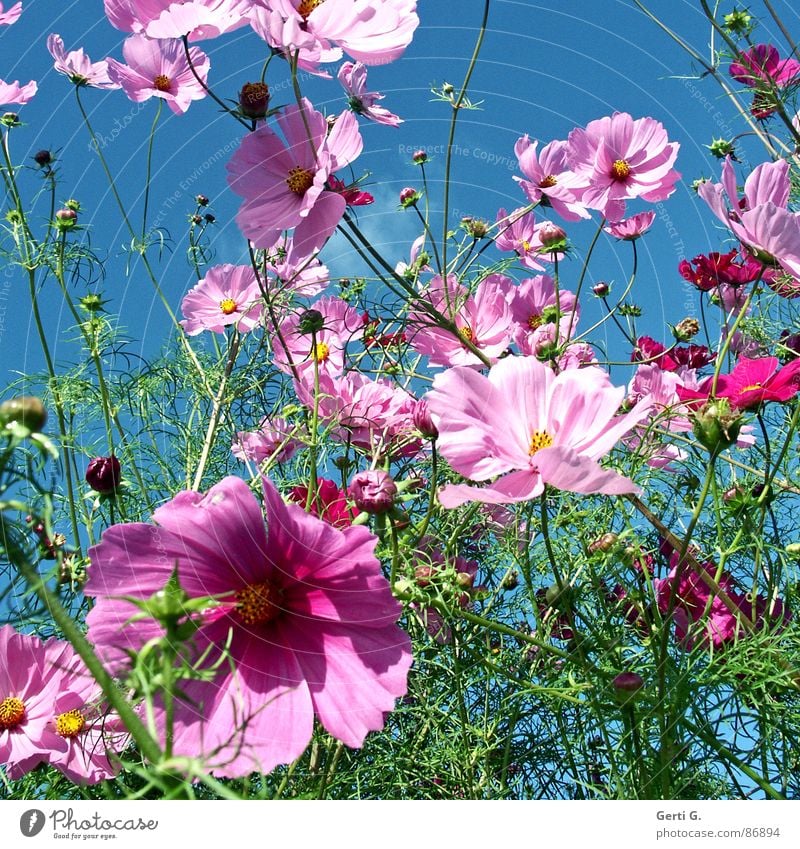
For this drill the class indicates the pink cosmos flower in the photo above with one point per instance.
(288, 270)
(618, 158)
(198, 19)
(353, 78)
(373, 491)
(530, 427)
(549, 178)
(519, 231)
(11, 16)
(305, 613)
(375, 415)
(483, 318)
(274, 440)
(326, 348)
(49, 711)
(536, 309)
(159, 68)
(14, 93)
(374, 32)
(630, 229)
(228, 296)
(283, 182)
(78, 66)
(763, 64)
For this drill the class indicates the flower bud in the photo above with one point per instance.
(465, 581)
(66, 218)
(601, 289)
(554, 238)
(423, 575)
(373, 491)
(311, 321)
(604, 543)
(202, 200)
(686, 329)
(254, 100)
(10, 119)
(409, 197)
(793, 549)
(26, 410)
(419, 157)
(627, 686)
(103, 474)
(716, 425)
(43, 158)
(720, 148)
(510, 581)
(475, 227)
(423, 421)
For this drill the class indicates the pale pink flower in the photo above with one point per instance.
(274, 440)
(618, 158)
(353, 78)
(228, 296)
(159, 68)
(16, 94)
(767, 183)
(374, 32)
(297, 350)
(305, 616)
(630, 229)
(549, 179)
(483, 318)
(536, 310)
(50, 711)
(198, 19)
(519, 231)
(283, 181)
(291, 271)
(11, 16)
(529, 427)
(576, 355)
(78, 66)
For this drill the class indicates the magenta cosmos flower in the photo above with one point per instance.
(78, 66)
(530, 427)
(283, 182)
(374, 32)
(762, 65)
(198, 19)
(159, 68)
(49, 711)
(16, 94)
(353, 78)
(304, 609)
(11, 16)
(617, 158)
(228, 296)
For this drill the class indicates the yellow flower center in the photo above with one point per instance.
(256, 603)
(466, 333)
(162, 82)
(12, 712)
(535, 320)
(548, 182)
(321, 352)
(620, 170)
(228, 306)
(306, 7)
(70, 724)
(539, 439)
(753, 387)
(299, 180)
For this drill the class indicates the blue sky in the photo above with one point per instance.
(543, 71)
